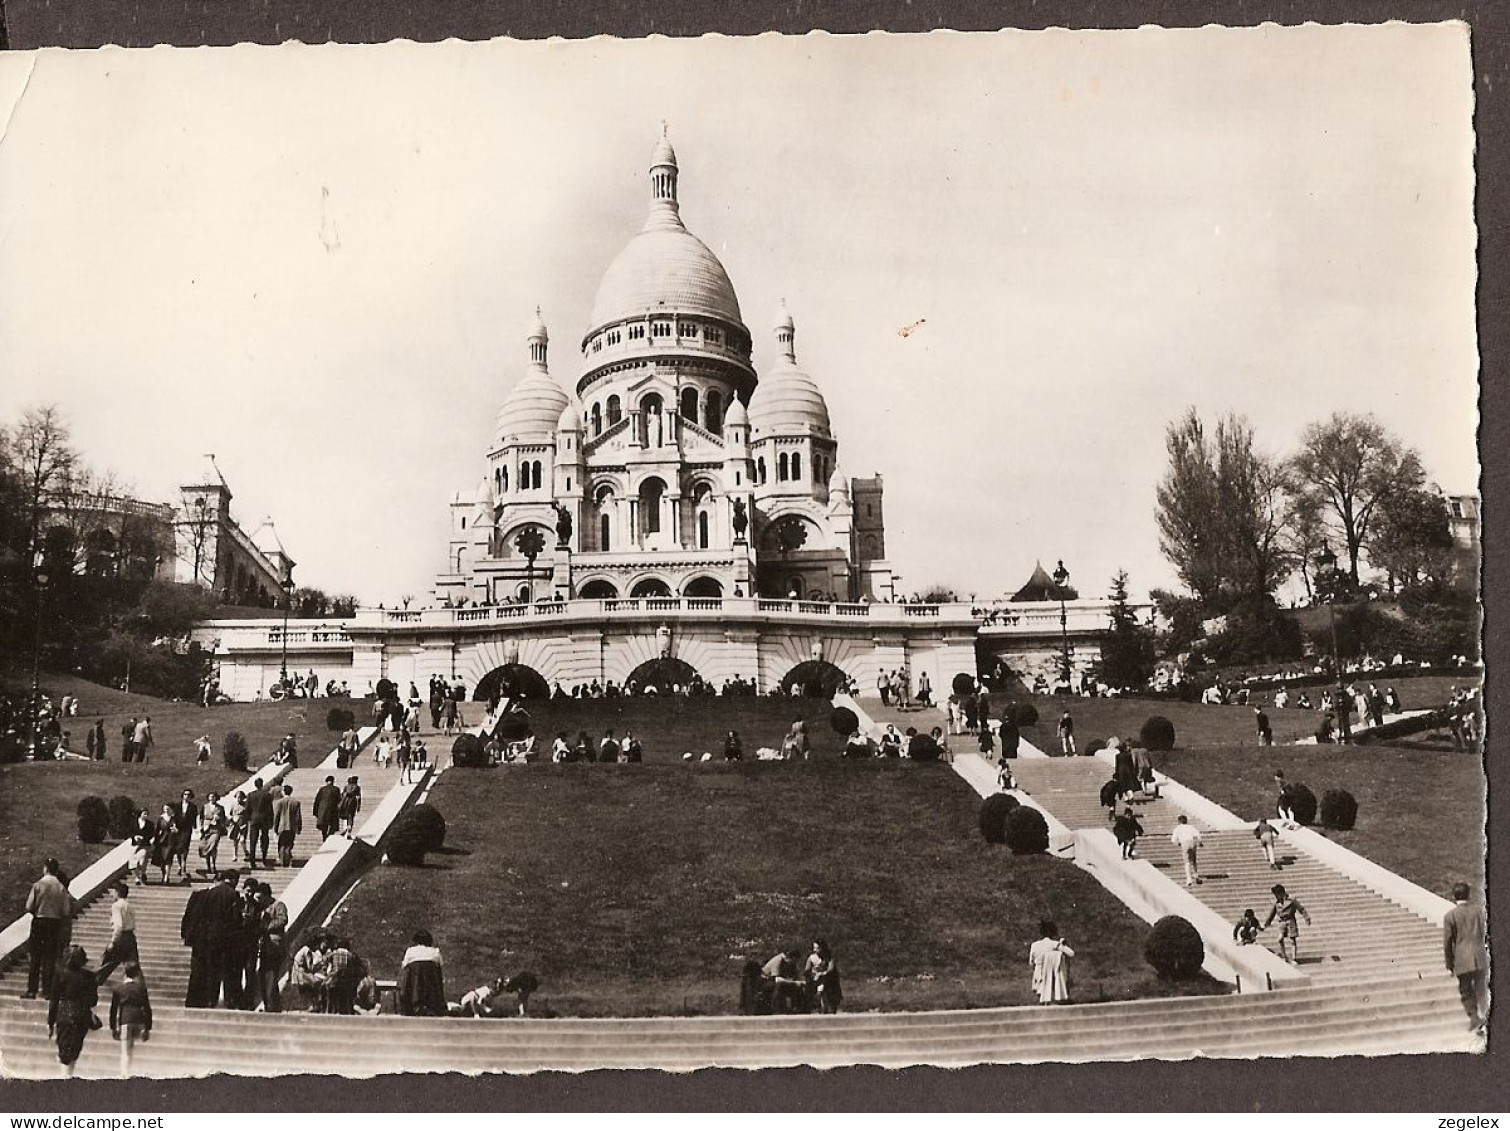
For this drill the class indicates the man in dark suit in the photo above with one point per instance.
(186, 817)
(327, 807)
(288, 822)
(259, 822)
(1463, 944)
(211, 925)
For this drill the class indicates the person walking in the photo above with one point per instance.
(130, 1015)
(350, 805)
(128, 740)
(1266, 835)
(210, 920)
(70, 1010)
(1048, 958)
(141, 739)
(883, 688)
(1066, 734)
(288, 823)
(348, 745)
(1187, 838)
(99, 740)
(1127, 829)
(122, 946)
(51, 910)
(141, 845)
(185, 822)
(327, 808)
(1265, 731)
(1463, 947)
(1288, 910)
(1009, 732)
(259, 822)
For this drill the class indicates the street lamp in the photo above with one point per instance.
(287, 585)
(1326, 566)
(1061, 575)
(39, 582)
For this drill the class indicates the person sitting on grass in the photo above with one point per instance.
(1004, 779)
(891, 742)
(940, 741)
(632, 752)
(1245, 933)
(784, 982)
(734, 750)
(858, 746)
(308, 973)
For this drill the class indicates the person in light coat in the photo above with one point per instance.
(1048, 958)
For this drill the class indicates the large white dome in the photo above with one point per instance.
(664, 267)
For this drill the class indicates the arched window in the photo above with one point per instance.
(498, 481)
(537, 473)
(597, 419)
(503, 480)
(604, 530)
(689, 403)
(760, 470)
(652, 427)
(796, 468)
(651, 492)
(713, 412)
(615, 413)
(781, 468)
(702, 530)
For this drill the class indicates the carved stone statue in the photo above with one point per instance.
(741, 520)
(563, 525)
(663, 642)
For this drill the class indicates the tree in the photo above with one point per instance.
(1127, 651)
(44, 462)
(1221, 512)
(1411, 539)
(1350, 466)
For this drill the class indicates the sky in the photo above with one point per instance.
(320, 263)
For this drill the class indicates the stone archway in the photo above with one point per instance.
(816, 679)
(703, 587)
(663, 675)
(512, 681)
(650, 587)
(598, 590)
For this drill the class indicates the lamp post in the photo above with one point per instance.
(1061, 575)
(287, 585)
(34, 706)
(1326, 566)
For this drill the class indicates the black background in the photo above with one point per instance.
(1457, 1084)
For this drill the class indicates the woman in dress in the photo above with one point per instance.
(350, 805)
(823, 978)
(141, 845)
(235, 819)
(164, 842)
(1049, 960)
(70, 1013)
(211, 829)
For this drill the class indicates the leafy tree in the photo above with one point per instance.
(1221, 512)
(1411, 541)
(1127, 651)
(1351, 467)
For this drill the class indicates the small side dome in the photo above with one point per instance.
(484, 492)
(838, 483)
(736, 414)
(571, 418)
(532, 408)
(787, 400)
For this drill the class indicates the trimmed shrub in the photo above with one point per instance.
(1094, 746)
(468, 750)
(513, 727)
(963, 684)
(1303, 804)
(386, 689)
(844, 721)
(994, 811)
(339, 719)
(1026, 832)
(94, 819)
(235, 752)
(122, 817)
(1174, 948)
(414, 833)
(1339, 810)
(1025, 715)
(1157, 733)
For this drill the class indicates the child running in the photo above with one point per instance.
(1286, 909)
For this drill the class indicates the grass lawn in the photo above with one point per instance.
(37, 804)
(1200, 725)
(634, 890)
(37, 800)
(1420, 811)
(669, 726)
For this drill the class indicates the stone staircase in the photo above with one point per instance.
(159, 908)
(1391, 1017)
(1357, 935)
